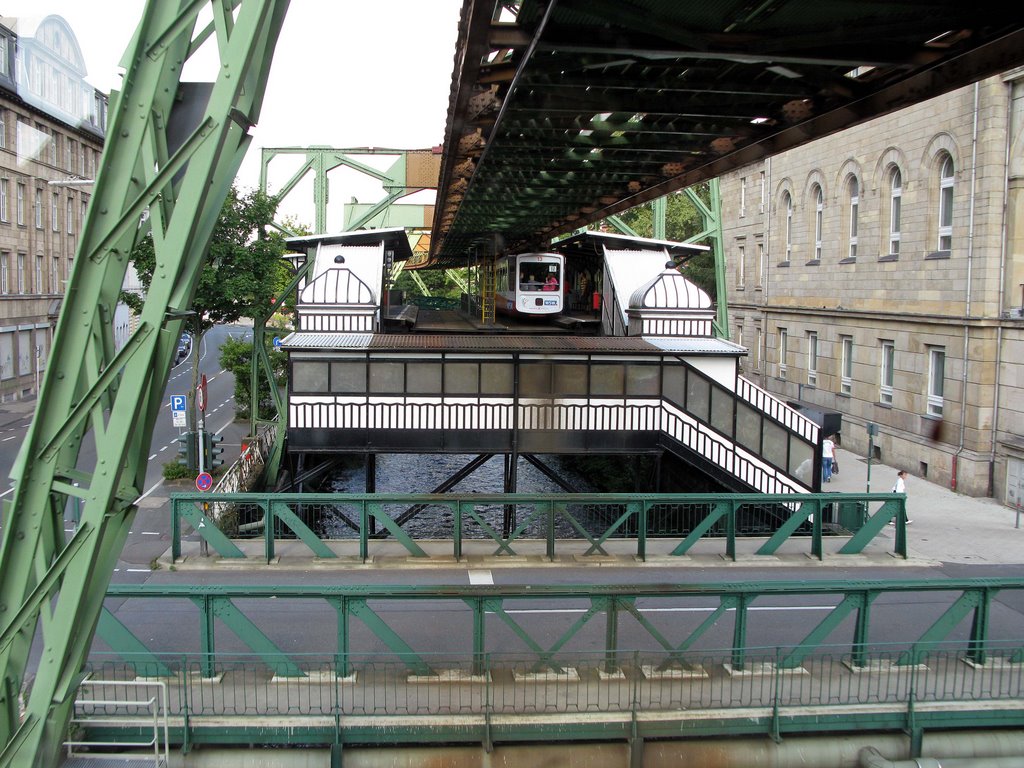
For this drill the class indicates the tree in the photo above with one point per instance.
(682, 222)
(243, 272)
(236, 357)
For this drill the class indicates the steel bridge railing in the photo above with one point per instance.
(369, 699)
(575, 524)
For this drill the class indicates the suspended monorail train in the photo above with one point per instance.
(530, 284)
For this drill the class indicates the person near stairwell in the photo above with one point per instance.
(828, 452)
(900, 486)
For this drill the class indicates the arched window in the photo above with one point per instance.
(787, 207)
(946, 204)
(853, 201)
(819, 212)
(895, 204)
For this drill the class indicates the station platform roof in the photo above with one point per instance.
(507, 344)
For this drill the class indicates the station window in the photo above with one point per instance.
(535, 380)
(607, 380)
(309, 377)
(424, 378)
(461, 378)
(348, 377)
(748, 427)
(571, 380)
(698, 397)
(387, 378)
(497, 379)
(642, 380)
(673, 387)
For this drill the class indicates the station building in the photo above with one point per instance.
(52, 126)
(879, 273)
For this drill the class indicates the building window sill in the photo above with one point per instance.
(889, 257)
(937, 255)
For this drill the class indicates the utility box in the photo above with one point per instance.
(852, 515)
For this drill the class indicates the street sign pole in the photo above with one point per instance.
(201, 405)
(872, 431)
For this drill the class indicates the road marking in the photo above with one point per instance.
(12, 437)
(481, 577)
(164, 448)
(150, 533)
(138, 570)
(151, 457)
(708, 609)
(155, 486)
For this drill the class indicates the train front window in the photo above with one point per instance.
(539, 276)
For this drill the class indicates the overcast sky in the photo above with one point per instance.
(345, 74)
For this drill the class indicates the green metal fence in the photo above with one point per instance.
(669, 618)
(368, 699)
(678, 522)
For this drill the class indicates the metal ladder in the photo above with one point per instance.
(488, 281)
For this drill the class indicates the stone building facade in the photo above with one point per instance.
(879, 273)
(52, 126)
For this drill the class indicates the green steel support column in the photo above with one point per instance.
(712, 216)
(979, 628)
(479, 634)
(611, 636)
(323, 160)
(207, 635)
(739, 630)
(114, 397)
(321, 193)
(861, 632)
(659, 208)
(341, 663)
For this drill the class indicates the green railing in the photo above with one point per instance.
(671, 618)
(640, 525)
(336, 700)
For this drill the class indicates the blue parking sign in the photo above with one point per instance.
(177, 402)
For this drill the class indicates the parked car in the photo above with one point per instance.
(184, 347)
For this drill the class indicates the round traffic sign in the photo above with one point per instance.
(204, 481)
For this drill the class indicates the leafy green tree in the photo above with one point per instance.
(242, 274)
(236, 357)
(683, 221)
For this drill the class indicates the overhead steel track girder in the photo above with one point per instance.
(51, 591)
(645, 98)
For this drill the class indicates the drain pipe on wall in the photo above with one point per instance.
(1002, 291)
(967, 307)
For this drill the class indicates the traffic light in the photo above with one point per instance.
(187, 455)
(213, 450)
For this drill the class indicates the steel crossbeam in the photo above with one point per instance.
(613, 602)
(150, 179)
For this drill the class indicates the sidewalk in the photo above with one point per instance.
(948, 527)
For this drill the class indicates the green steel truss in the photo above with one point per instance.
(157, 175)
(492, 614)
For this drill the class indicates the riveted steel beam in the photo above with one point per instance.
(180, 176)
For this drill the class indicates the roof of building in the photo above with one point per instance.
(497, 344)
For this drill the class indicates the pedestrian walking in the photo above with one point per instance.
(828, 452)
(900, 486)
